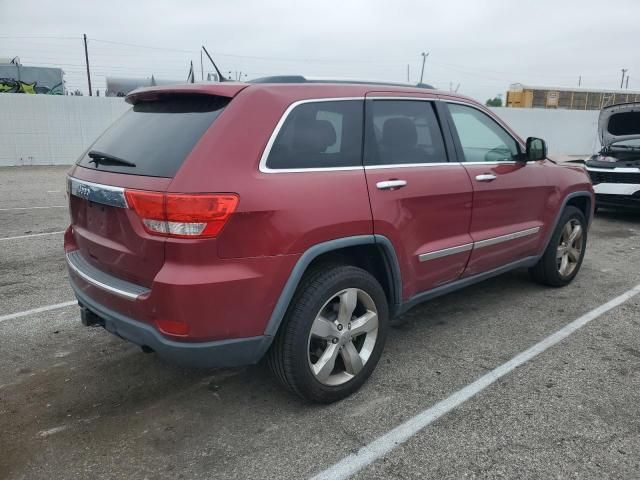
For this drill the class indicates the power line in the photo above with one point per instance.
(252, 57)
(142, 46)
(22, 37)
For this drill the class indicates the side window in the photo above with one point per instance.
(320, 135)
(482, 139)
(402, 131)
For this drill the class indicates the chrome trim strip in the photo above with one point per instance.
(505, 238)
(302, 170)
(418, 99)
(423, 257)
(96, 283)
(505, 162)
(97, 193)
(272, 139)
(409, 165)
(267, 150)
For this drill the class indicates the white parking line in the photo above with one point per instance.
(375, 450)
(46, 308)
(31, 235)
(32, 208)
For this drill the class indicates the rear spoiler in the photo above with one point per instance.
(146, 94)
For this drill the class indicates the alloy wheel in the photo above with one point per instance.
(570, 247)
(343, 336)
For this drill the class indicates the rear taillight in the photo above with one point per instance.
(182, 215)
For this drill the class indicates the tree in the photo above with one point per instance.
(494, 102)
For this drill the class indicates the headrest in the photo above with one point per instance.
(399, 132)
(313, 135)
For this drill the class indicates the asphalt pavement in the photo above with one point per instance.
(76, 402)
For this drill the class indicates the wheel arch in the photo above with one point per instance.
(583, 200)
(356, 250)
(582, 203)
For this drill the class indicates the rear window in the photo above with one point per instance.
(154, 138)
(320, 135)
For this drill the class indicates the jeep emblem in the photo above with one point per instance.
(83, 191)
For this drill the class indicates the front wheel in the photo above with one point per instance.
(332, 335)
(563, 257)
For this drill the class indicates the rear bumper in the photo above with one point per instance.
(219, 353)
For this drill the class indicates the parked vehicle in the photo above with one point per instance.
(218, 224)
(615, 170)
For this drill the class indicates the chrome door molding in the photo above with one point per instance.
(506, 238)
(423, 257)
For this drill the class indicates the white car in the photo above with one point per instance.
(615, 170)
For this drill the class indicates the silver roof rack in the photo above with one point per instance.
(303, 79)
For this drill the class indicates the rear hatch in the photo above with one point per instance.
(141, 152)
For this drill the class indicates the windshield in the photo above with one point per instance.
(154, 138)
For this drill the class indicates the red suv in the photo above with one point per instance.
(218, 224)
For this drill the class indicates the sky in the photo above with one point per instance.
(478, 47)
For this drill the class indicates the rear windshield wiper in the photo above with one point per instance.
(106, 159)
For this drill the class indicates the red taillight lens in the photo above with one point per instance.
(146, 204)
(182, 215)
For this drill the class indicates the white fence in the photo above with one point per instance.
(47, 130)
(567, 132)
(50, 129)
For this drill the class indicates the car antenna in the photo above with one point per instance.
(220, 76)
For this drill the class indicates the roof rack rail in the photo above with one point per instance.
(302, 79)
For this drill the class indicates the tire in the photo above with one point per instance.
(322, 303)
(551, 269)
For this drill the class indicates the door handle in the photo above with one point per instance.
(486, 177)
(391, 184)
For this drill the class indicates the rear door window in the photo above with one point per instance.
(403, 132)
(319, 135)
(154, 137)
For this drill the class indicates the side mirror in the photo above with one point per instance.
(536, 149)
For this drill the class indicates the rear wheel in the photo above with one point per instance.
(332, 335)
(563, 257)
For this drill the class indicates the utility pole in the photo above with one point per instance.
(624, 70)
(201, 68)
(408, 80)
(424, 59)
(579, 80)
(627, 83)
(86, 57)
